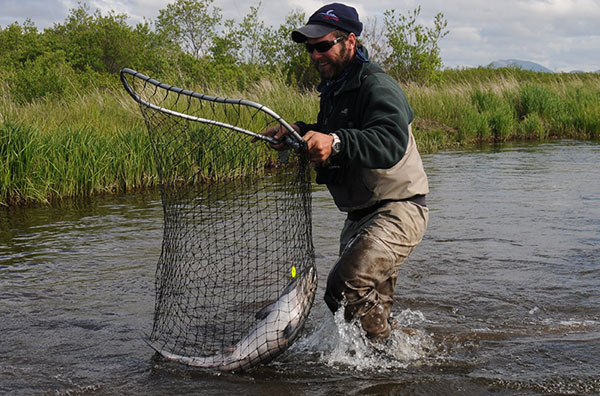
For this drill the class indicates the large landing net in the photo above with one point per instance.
(235, 279)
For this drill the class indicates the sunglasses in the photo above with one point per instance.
(323, 46)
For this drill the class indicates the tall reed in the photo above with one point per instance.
(479, 109)
(71, 162)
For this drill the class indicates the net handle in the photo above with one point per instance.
(292, 138)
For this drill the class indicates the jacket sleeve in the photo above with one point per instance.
(383, 115)
(304, 127)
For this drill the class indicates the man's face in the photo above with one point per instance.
(332, 63)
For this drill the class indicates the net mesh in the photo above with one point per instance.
(235, 279)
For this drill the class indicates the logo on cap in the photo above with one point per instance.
(329, 15)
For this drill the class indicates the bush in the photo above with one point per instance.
(49, 75)
(539, 99)
(532, 127)
(502, 123)
(485, 101)
(499, 114)
(472, 125)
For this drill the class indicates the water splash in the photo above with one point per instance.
(344, 345)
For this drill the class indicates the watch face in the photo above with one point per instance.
(336, 147)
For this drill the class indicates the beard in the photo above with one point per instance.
(337, 65)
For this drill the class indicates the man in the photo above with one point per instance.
(366, 155)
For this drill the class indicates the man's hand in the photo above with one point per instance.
(319, 145)
(277, 132)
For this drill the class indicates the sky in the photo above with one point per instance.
(562, 35)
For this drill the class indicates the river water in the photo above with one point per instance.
(502, 296)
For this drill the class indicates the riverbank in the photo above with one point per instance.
(95, 142)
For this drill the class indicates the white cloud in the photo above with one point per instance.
(467, 35)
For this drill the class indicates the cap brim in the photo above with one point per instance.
(312, 30)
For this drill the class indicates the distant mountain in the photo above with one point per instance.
(520, 64)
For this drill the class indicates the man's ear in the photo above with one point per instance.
(351, 41)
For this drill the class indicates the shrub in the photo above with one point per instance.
(471, 125)
(532, 127)
(46, 76)
(539, 99)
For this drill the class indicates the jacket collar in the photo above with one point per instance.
(350, 78)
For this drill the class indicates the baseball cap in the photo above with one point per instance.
(330, 17)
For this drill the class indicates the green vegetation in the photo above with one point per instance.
(415, 53)
(68, 128)
(481, 105)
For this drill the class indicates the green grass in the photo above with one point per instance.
(95, 142)
(515, 105)
(71, 162)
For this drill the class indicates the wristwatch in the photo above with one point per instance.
(336, 146)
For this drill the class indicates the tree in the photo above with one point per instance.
(415, 52)
(78, 38)
(191, 24)
(19, 44)
(106, 43)
(374, 39)
(290, 56)
(250, 41)
(226, 48)
(252, 32)
(260, 49)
